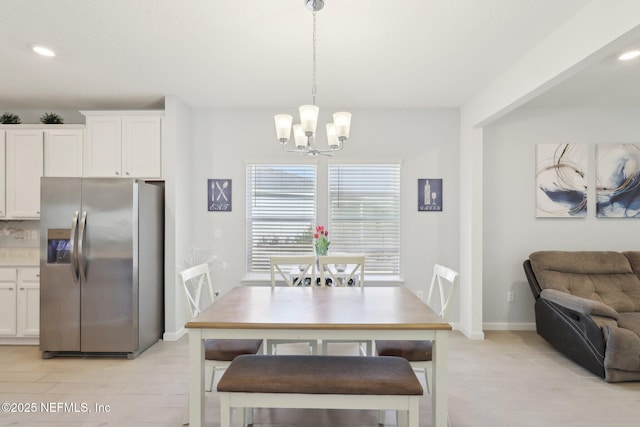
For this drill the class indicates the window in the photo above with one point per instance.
(364, 214)
(281, 212)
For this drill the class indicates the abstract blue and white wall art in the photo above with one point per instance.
(618, 180)
(561, 180)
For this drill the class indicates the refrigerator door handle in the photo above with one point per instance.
(82, 243)
(72, 247)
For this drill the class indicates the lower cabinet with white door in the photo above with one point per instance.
(19, 305)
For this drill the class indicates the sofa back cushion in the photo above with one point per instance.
(607, 277)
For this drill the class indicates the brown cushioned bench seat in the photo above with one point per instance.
(330, 382)
(320, 375)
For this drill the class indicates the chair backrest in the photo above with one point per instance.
(352, 275)
(446, 280)
(198, 291)
(294, 270)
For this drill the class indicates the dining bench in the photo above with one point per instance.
(320, 382)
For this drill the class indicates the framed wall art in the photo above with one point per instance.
(430, 194)
(219, 195)
(561, 180)
(618, 180)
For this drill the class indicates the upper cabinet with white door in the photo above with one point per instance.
(63, 151)
(24, 167)
(124, 144)
(28, 152)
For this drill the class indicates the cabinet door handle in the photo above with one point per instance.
(22, 289)
(117, 173)
(10, 289)
(127, 173)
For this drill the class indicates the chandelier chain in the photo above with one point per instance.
(314, 88)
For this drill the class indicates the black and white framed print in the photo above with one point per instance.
(219, 195)
(430, 194)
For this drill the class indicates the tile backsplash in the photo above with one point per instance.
(19, 234)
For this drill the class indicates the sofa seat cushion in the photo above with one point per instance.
(606, 277)
(622, 355)
(630, 321)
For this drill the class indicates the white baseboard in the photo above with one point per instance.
(469, 334)
(511, 326)
(174, 336)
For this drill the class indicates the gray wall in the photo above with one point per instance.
(426, 141)
(511, 230)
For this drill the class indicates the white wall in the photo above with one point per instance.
(425, 140)
(511, 230)
(177, 152)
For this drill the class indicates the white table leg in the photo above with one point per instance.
(439, 381)
(196, 378)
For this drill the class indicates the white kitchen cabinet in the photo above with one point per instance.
(123, 144)
(63, 152)
(3, 209)
(8, 306)
(24, 167)
(28, 302)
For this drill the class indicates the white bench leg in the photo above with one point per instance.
(381, 416)
(240, 417)
(225, 411)
(414, 412)
(402, 419)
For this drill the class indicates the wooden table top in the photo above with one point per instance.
(255, 307)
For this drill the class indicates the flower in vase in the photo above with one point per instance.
(321, 237)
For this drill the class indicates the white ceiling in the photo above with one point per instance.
(257, 53)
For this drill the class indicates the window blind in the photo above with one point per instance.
(281, 211)
(364, 214)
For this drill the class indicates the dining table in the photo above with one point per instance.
(367, 313)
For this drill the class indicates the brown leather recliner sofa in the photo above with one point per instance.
(588, 307)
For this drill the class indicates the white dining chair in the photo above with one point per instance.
(199, 294)
(293, 270)
(342, 271)
(419, 353)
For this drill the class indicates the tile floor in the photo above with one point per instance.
(511, 379)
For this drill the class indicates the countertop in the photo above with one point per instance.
(19, 257)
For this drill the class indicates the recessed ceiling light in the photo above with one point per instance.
(44, 51)
(629, 55)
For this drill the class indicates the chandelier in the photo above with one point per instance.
(304, 133)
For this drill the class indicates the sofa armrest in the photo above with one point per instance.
(579, 304)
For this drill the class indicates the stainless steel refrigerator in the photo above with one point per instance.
(101, 265)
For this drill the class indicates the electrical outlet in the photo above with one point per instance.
(217, 234)
(420, 295)
(511, 296)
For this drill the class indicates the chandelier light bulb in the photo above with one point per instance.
(342, 120)
(332, 138)
(283, 127)
(309, 118)
(300, 137)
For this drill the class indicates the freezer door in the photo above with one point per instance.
(59, 284)
(107, 245)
